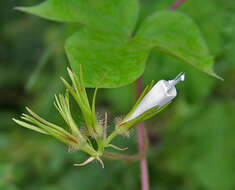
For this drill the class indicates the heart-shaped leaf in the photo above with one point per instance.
(106, 48)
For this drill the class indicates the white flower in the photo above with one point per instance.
(160, 94)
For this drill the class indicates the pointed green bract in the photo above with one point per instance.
(29, 126)
(93, 107)
(37, 118)
(62, 105)
(40, 126)
(74, 138)
(78, 92)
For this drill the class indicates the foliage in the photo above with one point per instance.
(191, 144)
(111, 25)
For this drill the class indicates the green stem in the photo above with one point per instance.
(90, 150)
(110, 138)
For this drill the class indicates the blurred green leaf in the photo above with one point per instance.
(6, 176)
(8, 187)
(207, 147)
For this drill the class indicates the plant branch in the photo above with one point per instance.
(116, 156)
(141, 144)
(141, 131)
(176, 4)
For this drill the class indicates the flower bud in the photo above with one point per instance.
(160, 94)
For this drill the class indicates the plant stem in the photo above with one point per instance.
(141, 145)
(141, 128)
(176, 4)
(110, 137)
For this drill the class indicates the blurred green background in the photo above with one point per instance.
(192, 143)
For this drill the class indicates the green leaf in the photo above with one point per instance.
(117, 16)
(105, 45)
(103, 55)
(176, 34)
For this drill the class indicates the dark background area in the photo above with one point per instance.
(192, 142)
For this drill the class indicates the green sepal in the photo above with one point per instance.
(62, 105)
(126, 125)
(155, 112)
(67, 139)
(46, 123)
(94, 121)
(145, 91)
(78, 92)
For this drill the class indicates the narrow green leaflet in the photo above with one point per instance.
(176, 34)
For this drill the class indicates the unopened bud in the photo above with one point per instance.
(161, 94)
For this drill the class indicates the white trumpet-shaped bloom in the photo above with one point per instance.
(160, 94)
